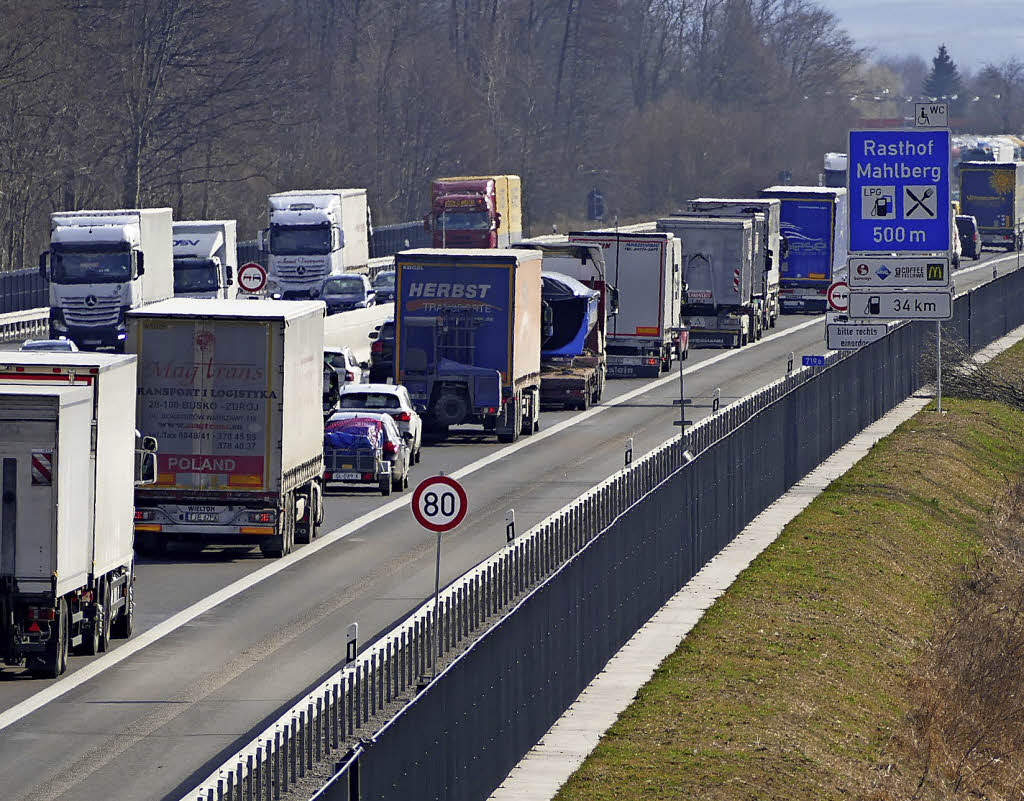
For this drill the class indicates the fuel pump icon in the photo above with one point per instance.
(874, 305)
(881, 207)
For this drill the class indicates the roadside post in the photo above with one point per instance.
(901, 230)
(439, 504)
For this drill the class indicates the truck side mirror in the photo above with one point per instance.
(229, 275)
(145, 468)
(613, 301)
(261, 238)
(149, 444)
(140, 263)
(497, 220)
(373, 335)
(44, 257)
(426, 222)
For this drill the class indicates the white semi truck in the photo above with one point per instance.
(233, 391)
(205, 259)
(644, 337)
(102, 264)
(68, 465)
(311, 234)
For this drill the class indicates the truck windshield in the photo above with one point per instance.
(195, 275)
(90, 266)
(300, 240)
(465, 221)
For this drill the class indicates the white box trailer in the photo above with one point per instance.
(643, 338)
(62, 426)
(720, 307)
(101, 263)
(769, 246)
(233, 391)
(205, 259)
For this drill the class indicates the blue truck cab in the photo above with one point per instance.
(468, 330)
(813, 223)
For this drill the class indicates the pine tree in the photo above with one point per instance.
(944, 79)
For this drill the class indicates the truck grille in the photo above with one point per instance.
(297, 274)
(92, 310)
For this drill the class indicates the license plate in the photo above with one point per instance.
(198, 517)
(347, 477)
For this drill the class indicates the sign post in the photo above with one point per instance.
(439, 504)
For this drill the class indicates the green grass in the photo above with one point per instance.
(793, 682)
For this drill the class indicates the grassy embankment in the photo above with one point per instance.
(872, 652)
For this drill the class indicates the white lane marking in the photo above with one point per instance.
(185, 616)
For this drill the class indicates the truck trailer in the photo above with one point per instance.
(644, 337)
(719, 308)
(69, 467)
(205, 259)
(233, 390)
(769, 245)
(102, 264)
(993, 192)
(578, 301)
(476, 211)
(814, 225)
(311, 234)
(467, 337)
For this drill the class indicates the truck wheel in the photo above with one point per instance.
(123, 627)
(55, 661)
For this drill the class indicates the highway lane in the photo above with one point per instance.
(155, 723)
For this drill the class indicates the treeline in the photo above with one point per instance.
(208, 105)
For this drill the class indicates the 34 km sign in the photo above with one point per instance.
(439, 504)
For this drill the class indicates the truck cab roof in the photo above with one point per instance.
(463, 254)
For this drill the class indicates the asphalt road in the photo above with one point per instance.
(154, 716)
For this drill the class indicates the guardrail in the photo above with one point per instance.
(20, 325)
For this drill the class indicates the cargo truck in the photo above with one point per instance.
(769, 246)
(467, 338)
(476, 211)
(101, 264)
(578, 301)
(814, 225)
(69, 466)
(311, 234)
(233, 391)
(993, 193)
(644, 337)
(205, 259)
(719, 307)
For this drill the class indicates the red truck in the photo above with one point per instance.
(478, 211)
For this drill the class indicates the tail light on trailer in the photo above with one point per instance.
(40, 613)
(349, 375)
(377, 347)
(403, 417)
(262, 517)
(652, 362)
(367, 476)
(144, 514)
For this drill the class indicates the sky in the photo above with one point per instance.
(975, 32)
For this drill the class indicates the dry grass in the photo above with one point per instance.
(838, 664)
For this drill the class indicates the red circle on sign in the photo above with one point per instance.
(449, 503)
(252, 277)
(839, 304)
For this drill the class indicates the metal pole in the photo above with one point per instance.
(682, 403)
(938, 369)
(435, 653)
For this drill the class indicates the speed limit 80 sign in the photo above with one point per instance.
(439, 504)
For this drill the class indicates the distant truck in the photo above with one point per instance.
(477, 211)
(814, 225)
(769, 245)
(719, 307)
(644, 337)
(311, 234)
(578, 301)
(69, 466)
(467, 337)
(205, 259)
(102, 264)
(993, 193)
(835, 170)
(233, 390)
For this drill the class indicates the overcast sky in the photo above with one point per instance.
(974, 31)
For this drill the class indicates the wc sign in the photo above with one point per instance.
(931, 115)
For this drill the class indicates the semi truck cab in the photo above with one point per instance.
(204, 259)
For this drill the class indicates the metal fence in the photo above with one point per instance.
(568, 593)
(23, 289)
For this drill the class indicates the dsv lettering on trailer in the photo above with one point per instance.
(432, 289)
(185, 243)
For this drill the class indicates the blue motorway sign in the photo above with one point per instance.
(898, 184)
(814, 361)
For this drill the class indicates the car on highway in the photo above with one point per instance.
(61, 345)
(384, 285)
(390, 398)
(349, 369)
(382, 353)
(346, 292)
(365, 448)
(969, 236)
